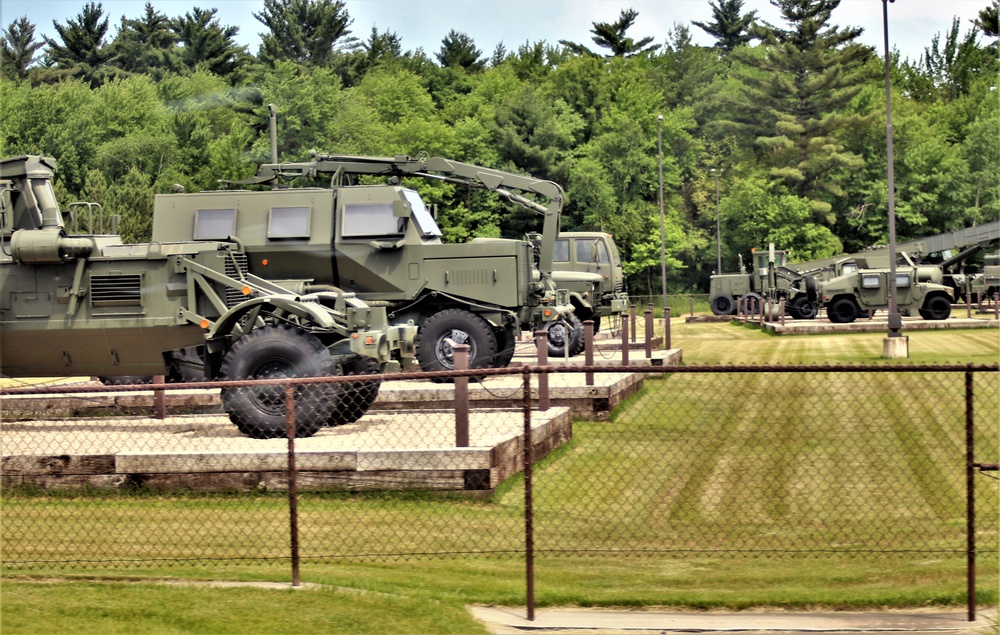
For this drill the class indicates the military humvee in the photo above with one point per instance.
(87, 304)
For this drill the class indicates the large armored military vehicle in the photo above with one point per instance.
(918, 288)
(381, 242)
(80, 305)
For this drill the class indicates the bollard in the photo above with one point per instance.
(648, 315)
(542, 346)
(666, 328)
(781, 311)
(588, 349)
(692, 306)
(631, 312)
(624, 342)
(159, 398)
(461, 352)
(996, 306)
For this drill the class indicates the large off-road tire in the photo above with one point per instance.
(274, 352)
(723, 305)
(358, 396)
(440, 332)
(936, 307)
(506, 345)
(842, 311)
(560, 331)
(803, 309)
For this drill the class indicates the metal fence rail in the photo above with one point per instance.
(788, 462)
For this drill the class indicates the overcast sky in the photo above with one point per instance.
(424, 23)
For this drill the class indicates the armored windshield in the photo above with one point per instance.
(426, 225)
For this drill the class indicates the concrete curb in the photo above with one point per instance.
(511, 620)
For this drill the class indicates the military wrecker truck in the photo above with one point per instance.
(381, 242)
(87, 304)
(770, 279)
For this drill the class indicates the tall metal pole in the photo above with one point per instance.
(895, 319)
(718, 224)
(663, 223)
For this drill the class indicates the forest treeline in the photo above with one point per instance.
(777, 132)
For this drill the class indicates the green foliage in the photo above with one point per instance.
(796, 123)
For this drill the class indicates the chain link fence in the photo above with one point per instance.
(651, 462)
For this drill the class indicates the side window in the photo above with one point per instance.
(288, 222)
(561, 253)
(602, 252)
(370, 219)
(902, 280)
(214, 224)
(869, 281)
(585, 250)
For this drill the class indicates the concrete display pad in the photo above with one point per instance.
(878, 324)
(382, 451)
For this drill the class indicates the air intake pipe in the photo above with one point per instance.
(48, 245)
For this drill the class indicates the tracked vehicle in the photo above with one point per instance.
(87, 304)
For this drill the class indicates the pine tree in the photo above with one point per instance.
(304, 31)
(146, 45)
(729, 27)
(611, 36)
(795, 90)
(18, 48)
(207, 43)
(458, 50)
(83, 51)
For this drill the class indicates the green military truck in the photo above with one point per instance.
(770, 279)
(87, 304)
(918, 289)
(382, 242)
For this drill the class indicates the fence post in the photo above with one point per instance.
(781, 310)
(542, 344)
(461, 352)
(588, 349)
(293, 495)
(692, 306)
(666, 329)
(631, 313)
(996, 306)
(159, 398)
(529, 520)
(970, 497)
(648, 318)
(624, 342)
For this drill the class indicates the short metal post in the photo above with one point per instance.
(648, 315)
(692, 306)
(666, 329)
(159, 398)
(968, 297)
(996, 306)
(781, 310)
(461, 352)
(293, 494)
(588, 349)
(542, 344)
(624, 342)
(631, 313)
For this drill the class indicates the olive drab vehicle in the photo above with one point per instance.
(918, 289)
(87, 304)
(381, 242)
(770, 279)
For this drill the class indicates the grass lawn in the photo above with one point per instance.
(578, 491)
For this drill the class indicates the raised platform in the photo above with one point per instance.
(383, 451)
(878, 324)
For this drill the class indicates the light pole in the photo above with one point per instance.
(663, 224)
(895, 320)
(718, 223)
